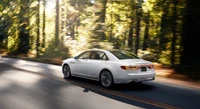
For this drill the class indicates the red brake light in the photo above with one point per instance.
(129, 67)
(137, 68)
(123, 67)
(152, 66)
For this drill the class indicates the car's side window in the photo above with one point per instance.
(104, 57)
(98, 55)
(84, 55)
(93, 55)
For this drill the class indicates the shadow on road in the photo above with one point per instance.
(118, 87)
(115, 91)
(5, 67)
(133, 87)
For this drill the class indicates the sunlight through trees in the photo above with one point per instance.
(57, 27)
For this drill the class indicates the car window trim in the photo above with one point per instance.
(84, 53)
(107, 59)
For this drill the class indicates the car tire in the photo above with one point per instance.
(66, 71)
(106, 79)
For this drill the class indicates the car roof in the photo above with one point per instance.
(96, 49)
(105, 49)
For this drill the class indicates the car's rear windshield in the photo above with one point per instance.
(124, 54)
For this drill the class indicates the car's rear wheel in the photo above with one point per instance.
(66, 71)
(106, 79)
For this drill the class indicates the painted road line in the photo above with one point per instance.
(141, 100)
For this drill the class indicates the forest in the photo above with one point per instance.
(165, 31)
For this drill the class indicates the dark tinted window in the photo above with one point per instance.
(84, 55)
(98, 55)
(124, 54)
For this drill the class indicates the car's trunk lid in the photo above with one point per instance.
(136, 62)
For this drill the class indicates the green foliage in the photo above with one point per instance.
(53, 51)
(103, 24)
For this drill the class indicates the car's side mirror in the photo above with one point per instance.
(76, 57)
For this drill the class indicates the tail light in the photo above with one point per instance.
(136, 67)
(123, 67)
(152, 66)
(129, 67)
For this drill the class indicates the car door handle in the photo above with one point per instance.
(72, 62)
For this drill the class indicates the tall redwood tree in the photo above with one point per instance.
(190, 38)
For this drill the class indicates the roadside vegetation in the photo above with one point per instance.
(52, 30)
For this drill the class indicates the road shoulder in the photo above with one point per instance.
(161, 74)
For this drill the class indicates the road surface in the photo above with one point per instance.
(32, 85)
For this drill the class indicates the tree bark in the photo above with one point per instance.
(130, 36)
(23, 46)
(139, 13)
(44, 24)
(146, 32)
(131, 32)
(57, 23)
(190, 37)
(100, 28)
(174, 32)
(38, 30)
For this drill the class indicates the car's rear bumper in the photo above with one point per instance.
(135, 77)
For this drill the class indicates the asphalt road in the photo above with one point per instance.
(31, 85)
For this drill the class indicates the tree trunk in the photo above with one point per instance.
(163, 30)
(174, 33)
(38, 29)
(137, 31)
(190, 37)
(130, 36)
(111, 26)
(57, 23)
(100, 28)
(4, 33)
(146, 32)
(103, 19)
(131, 32)
(23, 46)
(44, 26)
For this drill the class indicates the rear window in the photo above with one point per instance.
(124, 54)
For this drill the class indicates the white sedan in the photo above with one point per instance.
(109, 67)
